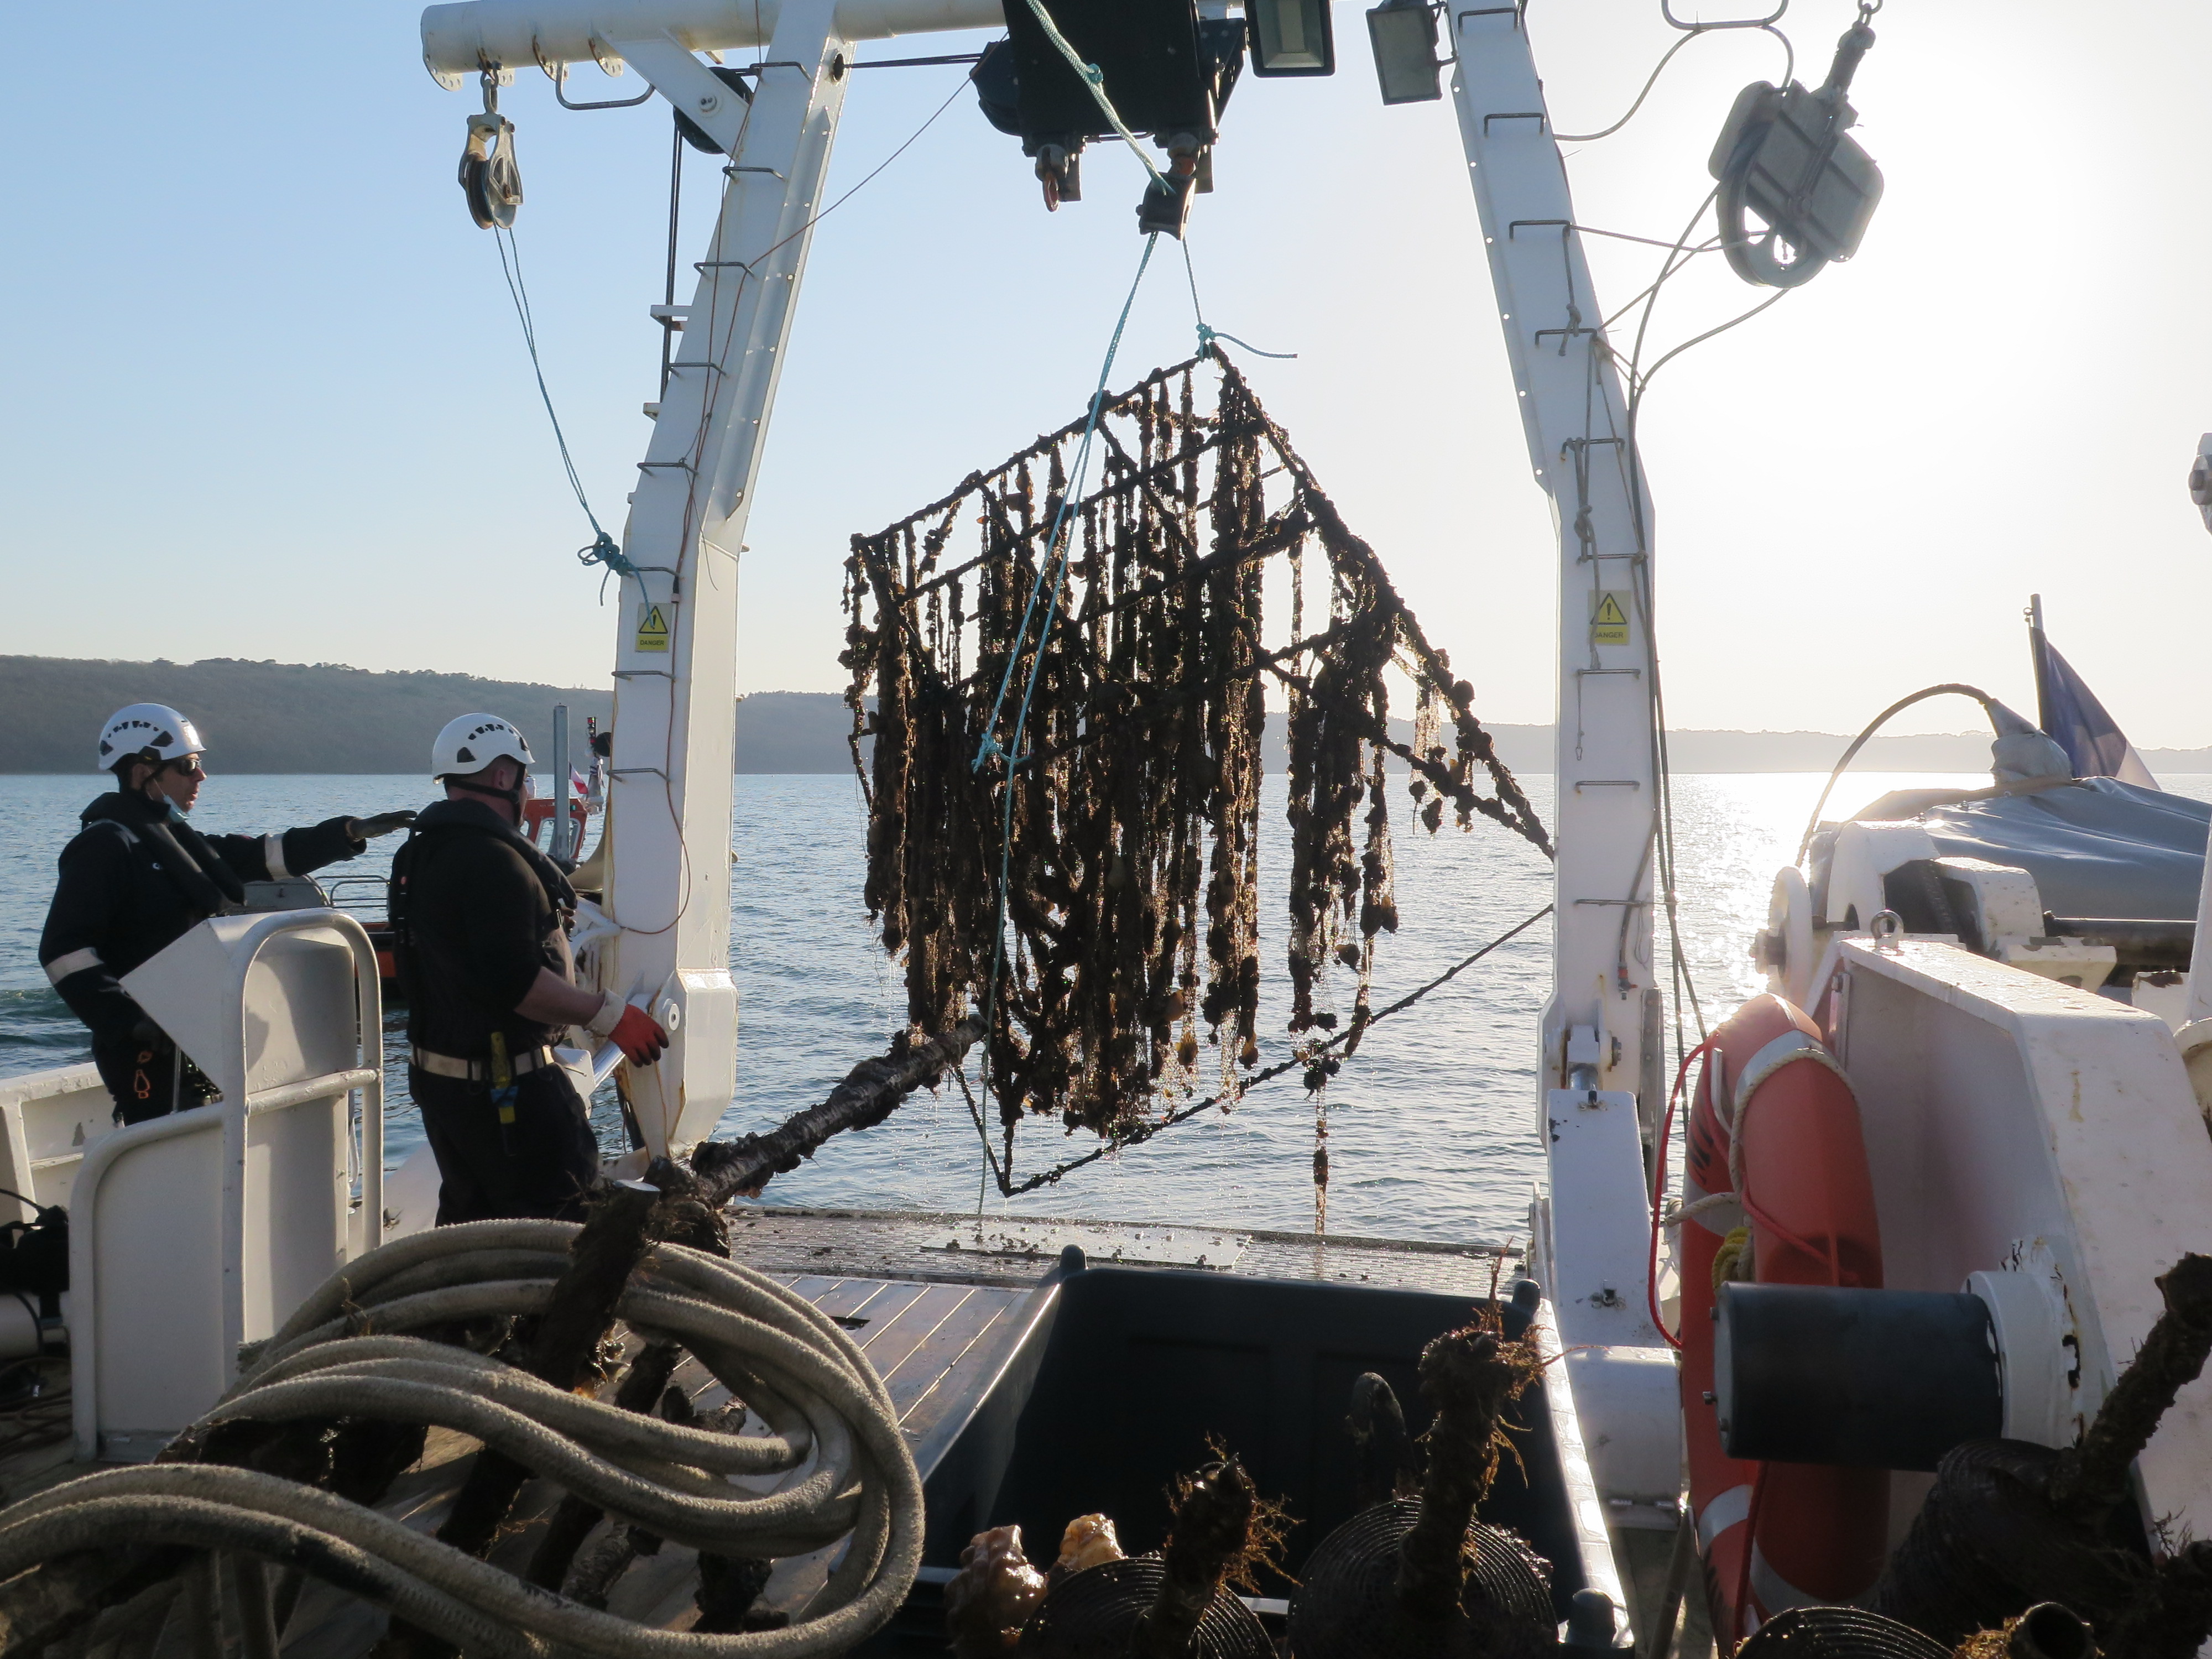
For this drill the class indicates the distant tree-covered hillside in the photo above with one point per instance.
(323, 717)
(264, 716)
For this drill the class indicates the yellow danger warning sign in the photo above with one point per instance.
(653, 628)
(1609, 620)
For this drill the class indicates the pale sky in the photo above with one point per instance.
(261, 394)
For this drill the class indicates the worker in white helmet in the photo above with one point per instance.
(137, 877)
(479, 919)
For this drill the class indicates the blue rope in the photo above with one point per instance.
(603, 550)
(1048, 568)
(1095, 78)
(1055, 553)
(1207, 335)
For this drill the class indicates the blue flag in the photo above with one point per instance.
(2071, 715)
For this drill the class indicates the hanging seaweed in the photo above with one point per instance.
(1128, 826)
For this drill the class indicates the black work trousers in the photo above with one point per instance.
(142, 1075)
(541, 1168)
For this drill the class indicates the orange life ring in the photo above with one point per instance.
(1815, 1534)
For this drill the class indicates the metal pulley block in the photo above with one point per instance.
(1166, 72)
(1059, 170)
(696, 135)
(489, 176)
(1785, 157)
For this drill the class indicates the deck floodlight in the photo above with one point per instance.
(1404, 35)
(1291, 37)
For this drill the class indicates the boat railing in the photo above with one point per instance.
(194, 1233)
(358, 895)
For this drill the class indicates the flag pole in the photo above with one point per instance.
(2035, 652)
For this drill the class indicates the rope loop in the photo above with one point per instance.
(1207, 336)
(602, 551)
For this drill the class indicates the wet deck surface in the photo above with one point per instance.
(939, 1303)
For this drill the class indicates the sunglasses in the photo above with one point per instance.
(188, 767)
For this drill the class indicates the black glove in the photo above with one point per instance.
(123, 1024)
(108, 1009)
(382, 824)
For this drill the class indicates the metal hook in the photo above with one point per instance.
(560, 95)
(1767, 21)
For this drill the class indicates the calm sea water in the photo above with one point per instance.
(1432, 1127)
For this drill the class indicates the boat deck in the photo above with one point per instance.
(940, 1303)
(1019, 1251)
(935, 1344)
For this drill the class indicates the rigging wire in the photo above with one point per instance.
(1207, 335)
(1694, 32)
(1663, 841)
(1661, 849)
(675, 218)
(872, 172)
(1835, 776)
(603, 548)
(1711, 245)
(1636, 402)
(1302, 1059)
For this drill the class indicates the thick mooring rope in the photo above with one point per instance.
(834, 1455)
(1129, 819)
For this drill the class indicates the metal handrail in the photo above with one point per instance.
(229, 1120)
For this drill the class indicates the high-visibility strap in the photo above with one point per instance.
(1732, 1508)
(1776, 1594)
(74, 962)
(479, 1071)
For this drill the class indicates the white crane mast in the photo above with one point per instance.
(669, 788)
(665, 934)
(1601, 1063)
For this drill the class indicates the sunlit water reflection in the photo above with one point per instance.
(1433, 1130)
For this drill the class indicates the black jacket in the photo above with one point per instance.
(137, 877)
(481, 911)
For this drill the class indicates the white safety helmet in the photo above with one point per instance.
(151, 731)
(473, 742)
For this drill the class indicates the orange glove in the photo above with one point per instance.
(638, 1035)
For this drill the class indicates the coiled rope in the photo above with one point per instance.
(833, 1448)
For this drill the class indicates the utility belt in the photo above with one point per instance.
(480, 1071)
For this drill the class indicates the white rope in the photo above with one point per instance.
(1792, 1045)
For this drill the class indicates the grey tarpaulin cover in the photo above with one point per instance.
(2096, 847)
